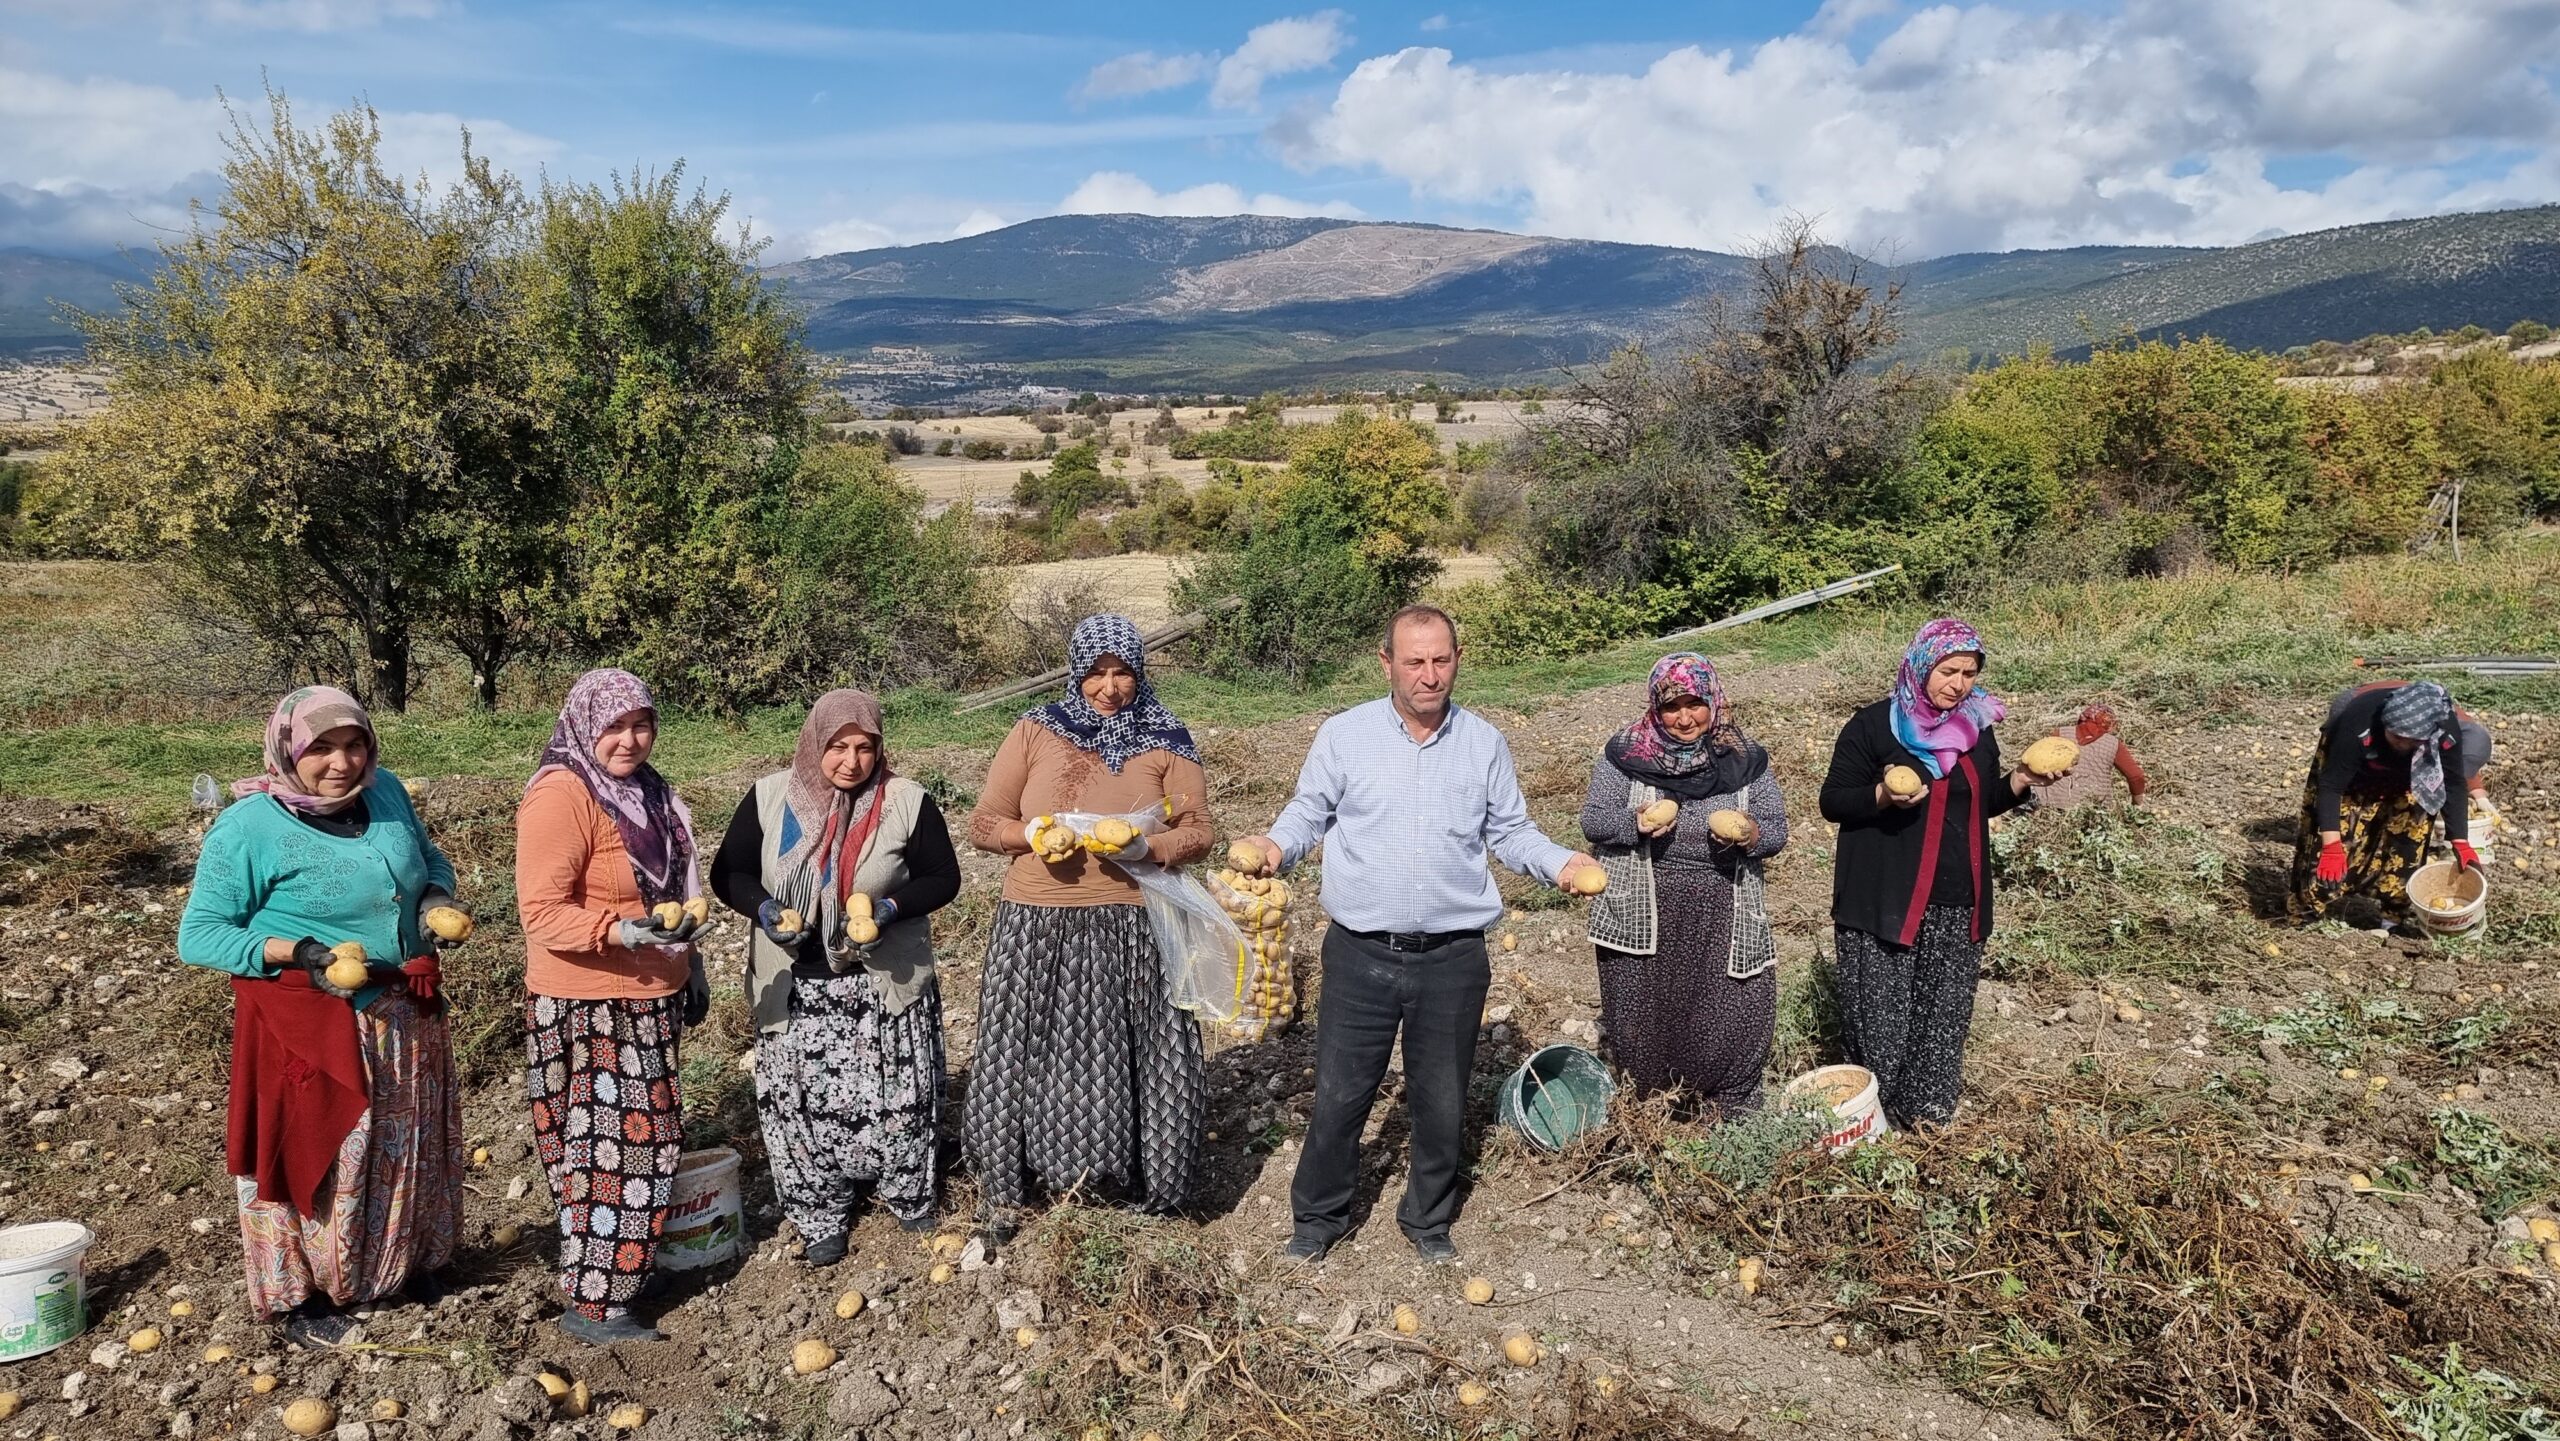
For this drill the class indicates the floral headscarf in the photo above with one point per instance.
(1939, 737)
(1142, 725)
(652, 820)
(301, 718)
(2422, 711)
(1721, 761)
(825, 830)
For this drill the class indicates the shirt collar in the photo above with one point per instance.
(1448, 720)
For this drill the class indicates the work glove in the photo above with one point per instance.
(1053, 842)
(423, 976)
(769, 921)
(314, 958)
(697, 995)
(439, 912)
(2464, 857)
(2333, 864)
(643, 933)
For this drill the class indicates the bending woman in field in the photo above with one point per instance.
(1690, 998)
(1915, 780)
(1085, 1073)
(601, 840)
(345, 1140)
(849, 1070)
(2378, 784)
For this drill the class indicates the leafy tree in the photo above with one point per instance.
(677, 386)
(1073, 484)
(869, 593)
(321, 410)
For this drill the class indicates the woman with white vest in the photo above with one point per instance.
(839, 862)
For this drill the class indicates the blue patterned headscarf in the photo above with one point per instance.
(1142, 725)
(2422, 711)
(1939, 737)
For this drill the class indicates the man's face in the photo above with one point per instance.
(1422, 667)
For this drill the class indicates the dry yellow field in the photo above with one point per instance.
(1140, 585)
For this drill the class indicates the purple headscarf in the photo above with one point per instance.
(652, 820)
(1937, 736)
(301, 718)
(1721, 761)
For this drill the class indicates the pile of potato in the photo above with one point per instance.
(1260, 905)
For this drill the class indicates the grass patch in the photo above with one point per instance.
(2116, 890)
(2479, 1156)
(2454, 1402)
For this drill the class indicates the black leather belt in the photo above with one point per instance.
(1417, 940)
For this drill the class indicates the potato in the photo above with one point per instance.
(859, 928)
(1407, 1321)
(1660, 815)
(1749, 1271)
(216, 1354)
(2050, 757)
(1902, 781)
(182, 1309)
(1246, 856)
(790, 920)
(1521, 1349)
(1584, 880)
(553, 1384)
(10, 1401)
(580, 1402)
(1110, 836)
(1026, 1337)
(261, 1385)
(347, 972)
(144, 1341)
(629, 1416)
(309, 1416)
(389, 1409)
(1478, 1291)
(505, 1234)
(946, 1245)
(449, 923)
(941, 1273)
(850, 1304)
(2543, 1229)
(1474, 1393)
(699, 908)
(812, 1356)
(667, 915)
(1732, 827)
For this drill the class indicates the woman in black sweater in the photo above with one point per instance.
(2378, 785)
(1911, 884)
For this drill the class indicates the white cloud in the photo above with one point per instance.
(1985, 128)
(309, 15)
(1837, 18)
(1282, 47)
(1433, 24)
(1142, 72)
(902, 220)
(978, 222)
(1116, 192)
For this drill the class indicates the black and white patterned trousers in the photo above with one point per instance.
(850, 1096)
(1085, 1074)
(1905, 1012)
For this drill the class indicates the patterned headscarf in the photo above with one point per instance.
(1140, 726)
(1939, 737)
(1720, 761)
(2423, 712)
(301, 718)
(651, 819)
(824, 829)
(2095, 721)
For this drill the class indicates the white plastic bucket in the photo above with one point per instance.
(1857, 1112)
(43, 1291)
(2467, 892)
(704, 1225)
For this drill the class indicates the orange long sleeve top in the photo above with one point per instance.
(1039, 773)
(573, 882)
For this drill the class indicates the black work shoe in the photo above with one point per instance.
(826, 1250)
(926, 1222)
(1436, 1250)
(612, 1330)
(1304, 1250)
(316, 1324)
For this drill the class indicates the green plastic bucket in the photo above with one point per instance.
(43, 1303)
(1557, 1094)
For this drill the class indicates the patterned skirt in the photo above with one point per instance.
(609, 1126)
(1085, 1076)
(2385, 832)
(1676, 1019)
(393, 1204)
(850, 1096)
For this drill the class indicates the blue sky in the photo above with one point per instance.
(1913, 129)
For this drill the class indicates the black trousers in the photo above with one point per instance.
(1435, 998)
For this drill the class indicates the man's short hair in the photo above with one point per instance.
(1414, 613)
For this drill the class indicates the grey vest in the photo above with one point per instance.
(901, 964)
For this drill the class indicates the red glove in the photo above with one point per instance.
(2467, 858)
(2333, 863)
(424, 974)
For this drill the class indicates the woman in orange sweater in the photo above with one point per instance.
(601, 839)
(1084, 1073)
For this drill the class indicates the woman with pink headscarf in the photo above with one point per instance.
(345, 1135)
(602, 841)
(1911, 879)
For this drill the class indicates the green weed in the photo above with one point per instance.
(2479, 1156)
(2457, 1403)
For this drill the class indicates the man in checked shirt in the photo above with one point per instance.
(1407, 794)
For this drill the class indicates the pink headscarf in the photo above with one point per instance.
(1939, 737)
(655, 826)
(301, 718)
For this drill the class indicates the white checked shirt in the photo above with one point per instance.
(1406, 824)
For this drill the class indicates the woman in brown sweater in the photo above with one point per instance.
(1085, 1075)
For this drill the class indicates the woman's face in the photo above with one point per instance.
(850, 755)
(1110, 686)
(1686, 717)
(625, 745)
(1951, 680)
(334, 764)
(2405, 745)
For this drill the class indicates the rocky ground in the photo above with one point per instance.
(2330, 1045)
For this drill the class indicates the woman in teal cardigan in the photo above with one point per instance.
(345, 1139)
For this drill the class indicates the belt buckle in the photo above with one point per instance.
(1409, 942)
